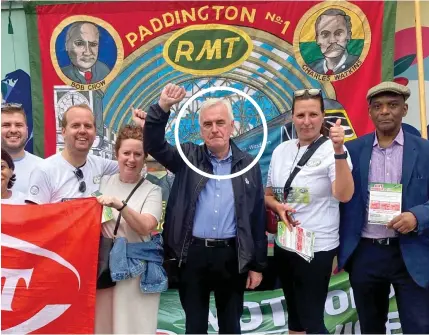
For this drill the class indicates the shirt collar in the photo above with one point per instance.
(228, 158)
(306, 146)
(340, 63)
(83, 73)
(399, 139)
(20, 159)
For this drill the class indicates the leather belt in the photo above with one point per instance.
(213, 242)
(383, 241)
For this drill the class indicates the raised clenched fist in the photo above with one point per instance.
(171, 95)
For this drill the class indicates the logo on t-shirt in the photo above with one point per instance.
(97, 179)
(314, 162)
(34, 190)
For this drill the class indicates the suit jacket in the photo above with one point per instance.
(99, 72)
(317, 66)
(415, 199)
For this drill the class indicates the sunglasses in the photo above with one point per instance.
(79, 175)
(11, 104)
(314, 92)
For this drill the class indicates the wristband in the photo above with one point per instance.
(125, 205)
(341, 156)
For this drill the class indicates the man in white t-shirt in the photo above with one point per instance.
(14, 135)
(72, 173)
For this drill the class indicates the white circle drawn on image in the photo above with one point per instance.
(264, 139)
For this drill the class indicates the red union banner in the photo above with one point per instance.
(268, 49)
(49, 265)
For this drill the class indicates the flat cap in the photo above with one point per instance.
(388, 87)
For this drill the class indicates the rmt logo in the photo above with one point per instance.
(13, 279)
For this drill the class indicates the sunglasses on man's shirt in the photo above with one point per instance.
(79, 175)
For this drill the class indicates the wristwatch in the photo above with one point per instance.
(341, 156)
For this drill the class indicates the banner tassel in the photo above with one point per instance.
(10, 26)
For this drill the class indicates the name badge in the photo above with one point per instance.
(298, 195)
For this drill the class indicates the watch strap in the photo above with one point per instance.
(124, 205)
(341, 156)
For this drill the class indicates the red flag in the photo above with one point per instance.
(276, 51)
(49, 265)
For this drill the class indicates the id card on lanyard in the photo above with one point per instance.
(298, 195)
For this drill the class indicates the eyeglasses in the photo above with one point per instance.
(10, 104)
(79, 175)
(314, 92)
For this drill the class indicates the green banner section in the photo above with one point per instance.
(36, 81)
(265, 312)
(310, 51)
(388, 41)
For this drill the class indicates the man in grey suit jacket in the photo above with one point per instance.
(99, 71)
(82, 46)
(333, 33)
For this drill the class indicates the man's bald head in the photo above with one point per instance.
(82, 41)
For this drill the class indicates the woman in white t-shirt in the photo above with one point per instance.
(313, 204)
(8, 178)
(124, 308)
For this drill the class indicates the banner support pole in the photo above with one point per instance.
(420, 70)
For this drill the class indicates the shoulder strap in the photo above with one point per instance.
(126, 200)
(304, 159)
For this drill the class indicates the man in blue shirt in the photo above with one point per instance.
(215, 228)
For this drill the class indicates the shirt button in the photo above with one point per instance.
(217, 195)
(387, 173)
(214, 228)
(215, 211)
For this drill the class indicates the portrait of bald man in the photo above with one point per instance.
(82, 46)
(333, 33)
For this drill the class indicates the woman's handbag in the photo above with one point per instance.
(273, 218)
(104, 280)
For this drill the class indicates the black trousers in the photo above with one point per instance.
(305, 286)
(372, 269)
(212, 269)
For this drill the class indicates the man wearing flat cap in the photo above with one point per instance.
(384, 228)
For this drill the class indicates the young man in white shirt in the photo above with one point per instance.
(14, 135)
(72, 173)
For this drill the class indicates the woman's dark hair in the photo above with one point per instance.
(9, 161)
(306, 96)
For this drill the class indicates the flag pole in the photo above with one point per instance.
(420, 70)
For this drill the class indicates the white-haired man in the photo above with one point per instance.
(215, 228)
